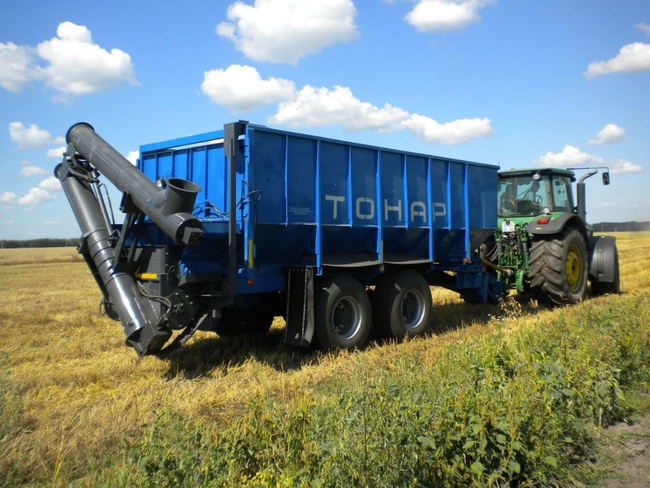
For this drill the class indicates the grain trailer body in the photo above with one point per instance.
(343, 240)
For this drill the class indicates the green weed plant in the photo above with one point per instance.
(519, 405)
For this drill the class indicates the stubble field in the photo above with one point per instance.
(509, 394)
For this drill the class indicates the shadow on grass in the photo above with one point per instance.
(211, 352)
(453, 316)
(208, 352)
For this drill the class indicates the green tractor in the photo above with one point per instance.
(543, 245)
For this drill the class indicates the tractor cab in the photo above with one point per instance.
(543, 243)
(529, 193)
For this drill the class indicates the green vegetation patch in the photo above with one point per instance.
(518, 405)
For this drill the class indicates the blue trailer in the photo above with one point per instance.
(226, 230)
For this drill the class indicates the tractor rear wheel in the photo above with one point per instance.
(558, 267)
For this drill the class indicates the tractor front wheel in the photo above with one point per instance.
(558, 267)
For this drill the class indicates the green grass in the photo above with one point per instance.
(512, 405)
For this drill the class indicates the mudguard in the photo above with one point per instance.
(555, 225)
(602, 259)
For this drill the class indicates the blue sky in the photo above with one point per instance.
(517, 83)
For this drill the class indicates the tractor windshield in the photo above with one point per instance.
(534, 194)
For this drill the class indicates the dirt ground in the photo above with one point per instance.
(626, 448)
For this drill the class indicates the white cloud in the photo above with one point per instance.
(632, 57)
(8, 198)
(78, 66)
(133, 156)
(71, 63)
(50, 183)
(17, 66)
(643, 27)
(570, 156)
(51, 222)
(31, 137)
(455, 132)
(283, 31)
(318, 107)
(28, 169)
(444, 15)
(34, 197)
(56, 153)
(609, 134)
(241, 88)
(621, 166)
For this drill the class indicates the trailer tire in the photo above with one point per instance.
(342, 314)
(401, 305)
(559, 267)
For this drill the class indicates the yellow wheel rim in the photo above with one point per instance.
(573, 269)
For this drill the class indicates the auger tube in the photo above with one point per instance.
(170, 209)
(144, 329)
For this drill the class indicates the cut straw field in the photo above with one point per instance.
(474, 403)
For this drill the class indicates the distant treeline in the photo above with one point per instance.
(621, 226)
(44, 242)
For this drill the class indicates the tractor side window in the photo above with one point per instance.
(562, 195)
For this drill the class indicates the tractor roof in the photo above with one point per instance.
(541, 171)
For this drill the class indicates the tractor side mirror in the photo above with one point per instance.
(606, 178)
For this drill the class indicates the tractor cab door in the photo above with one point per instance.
(562, 194)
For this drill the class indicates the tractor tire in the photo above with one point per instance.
(401, 305)
(559, 268)
(600, 288)
(342, 314)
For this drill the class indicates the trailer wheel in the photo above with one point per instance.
(342, 314)
(558, 268)
(401, 305)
